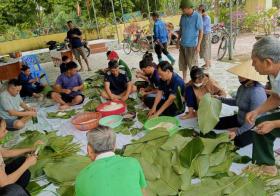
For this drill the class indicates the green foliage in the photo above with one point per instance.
(208, 113)
(169, 163)
(62, 115)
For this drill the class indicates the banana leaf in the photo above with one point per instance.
(176, 141)
(91, 105)
(67, 169)
(34, 188)
(235, 185)
(200, 165)
(66, 190)
(66, 115)
(130, 104)
(6, 139)
(208, 113)
(191, 151)
(179, 101)
(211, 144)
(142, 115)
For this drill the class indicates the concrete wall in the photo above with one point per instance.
(40, 42)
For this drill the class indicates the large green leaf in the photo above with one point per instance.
(162, 188)
(200, 165)
(208, 113)
(211, 144)
(176, 142)
(235, 185)
(151, 171)
(67, 169)
(191, 151)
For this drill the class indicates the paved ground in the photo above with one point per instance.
(218, 71)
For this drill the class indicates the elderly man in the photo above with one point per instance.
(191, 34)
(266, 60)
(109, 174)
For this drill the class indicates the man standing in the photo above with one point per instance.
(191, 34)
(161, 39)
(205, 51)
(74, 35)
(266, 60)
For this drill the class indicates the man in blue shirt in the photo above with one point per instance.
(74, 35)
(205, 50)
(191, 33)
(164, 102)
(161, 39)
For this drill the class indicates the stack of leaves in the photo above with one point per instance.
(126, 128)
(91, 105)
(234, 185)
(142, 115)
(131, 103)
(57, 159)
(93, 86)
(208, 113)
(62, 115)
(169, 163)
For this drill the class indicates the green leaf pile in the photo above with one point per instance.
(170, 162)
(91, 105)
(208, 113)
(57, 160)
(67, 115)
(126, 128)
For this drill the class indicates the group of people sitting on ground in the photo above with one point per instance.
(160, 96)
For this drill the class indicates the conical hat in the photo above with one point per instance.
(246, 70)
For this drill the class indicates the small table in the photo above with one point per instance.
(10, 70)
(57, 56)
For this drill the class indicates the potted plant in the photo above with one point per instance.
(263, 22)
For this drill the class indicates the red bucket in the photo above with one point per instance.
(112, 112)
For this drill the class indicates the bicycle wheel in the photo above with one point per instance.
(145, 45)
(135, 46)
(222, 48)
(126, 48)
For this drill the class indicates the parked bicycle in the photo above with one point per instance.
(136, 43)
(225, 38)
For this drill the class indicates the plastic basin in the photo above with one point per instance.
(112, 121)
(112, 112)
(86, 121)
(149, 124)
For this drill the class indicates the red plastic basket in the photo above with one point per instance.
(86, 121)
(113, 112)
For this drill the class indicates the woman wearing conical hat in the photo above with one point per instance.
(250, 95)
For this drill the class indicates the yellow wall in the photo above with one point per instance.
(253, 5)
(40, 42)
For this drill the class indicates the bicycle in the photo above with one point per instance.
(225, 38)
(138, 44)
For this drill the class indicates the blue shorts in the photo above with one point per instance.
(10, 123)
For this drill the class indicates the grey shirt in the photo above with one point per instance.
(9, 102)
(247, 99)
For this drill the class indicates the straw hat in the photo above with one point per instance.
(246, 70)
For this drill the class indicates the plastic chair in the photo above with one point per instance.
(32, 61)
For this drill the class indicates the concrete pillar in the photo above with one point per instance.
(253, 5)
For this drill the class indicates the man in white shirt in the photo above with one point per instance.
(266, 60)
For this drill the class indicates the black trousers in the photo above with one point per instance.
(28, 92)
(232, 122)
(161, 48)
(18, 188)
(170, 111)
